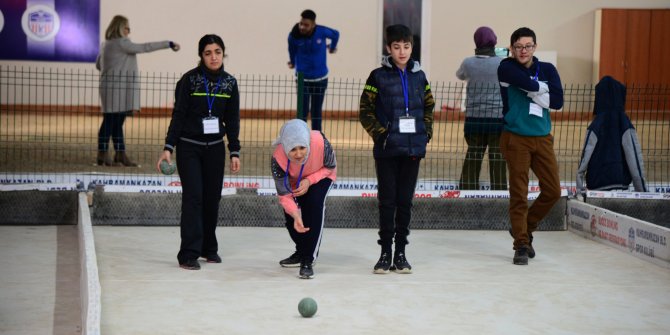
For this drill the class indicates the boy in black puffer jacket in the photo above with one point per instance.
(396, 110)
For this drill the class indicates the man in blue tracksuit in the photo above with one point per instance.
(529, 88)
(307, 54)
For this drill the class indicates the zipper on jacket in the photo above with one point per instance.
(388, 130)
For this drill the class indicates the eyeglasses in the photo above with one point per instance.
(527, 47)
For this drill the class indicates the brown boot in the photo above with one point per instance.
(104, 159)
(121, 158)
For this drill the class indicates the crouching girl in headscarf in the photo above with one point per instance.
(303, 167)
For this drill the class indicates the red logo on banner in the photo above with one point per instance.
(451, 194)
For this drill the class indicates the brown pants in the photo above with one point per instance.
(523, 153)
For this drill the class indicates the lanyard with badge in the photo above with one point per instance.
(287, 183)
(535, 109)
(407, 123)
(210, 124)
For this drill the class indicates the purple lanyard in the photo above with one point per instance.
(287, 184)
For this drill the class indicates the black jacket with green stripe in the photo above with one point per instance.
(383, 105)
(191, 107)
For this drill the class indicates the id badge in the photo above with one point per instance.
(407, 125)
(535, 110)
(210, 125)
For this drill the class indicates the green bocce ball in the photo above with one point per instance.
(168, 169)
(307, 307)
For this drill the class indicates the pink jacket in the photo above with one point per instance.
(320, 164)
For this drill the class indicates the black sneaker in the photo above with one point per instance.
(306, 271)
(400, 264)
(213, 258)
(521, 256)
(531, 251)
(191, 264)
(292, 261)
(383, 264)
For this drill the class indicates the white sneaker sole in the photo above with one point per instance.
(380, 271)
(403, 271)
(296, 265)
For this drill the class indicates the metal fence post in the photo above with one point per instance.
(301, 85)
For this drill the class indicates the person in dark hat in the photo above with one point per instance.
(483, 113)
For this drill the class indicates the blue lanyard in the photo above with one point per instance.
(286, 182)
(405, 93)
(210, 103)
(537, 71)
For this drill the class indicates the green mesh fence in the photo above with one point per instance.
(49, 122)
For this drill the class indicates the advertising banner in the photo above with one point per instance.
(50, 30)
(639, 238)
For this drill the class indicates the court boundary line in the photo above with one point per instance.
(91, 305)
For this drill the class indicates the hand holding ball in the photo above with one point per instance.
(167, 168)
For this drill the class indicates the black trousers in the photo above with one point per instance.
(201, 173)
(396, 179)
(313, 207)
(312, 101)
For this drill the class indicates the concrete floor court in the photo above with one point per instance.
(463, 283)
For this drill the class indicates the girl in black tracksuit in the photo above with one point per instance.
(206, 108)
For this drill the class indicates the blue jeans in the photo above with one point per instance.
(112, 126)
(312, 101)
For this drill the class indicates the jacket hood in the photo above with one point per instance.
(387, 62)
(609, 105)
(610, 95)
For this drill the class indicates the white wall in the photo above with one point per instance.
(255, 32)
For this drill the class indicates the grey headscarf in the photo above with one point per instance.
(294, 133)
